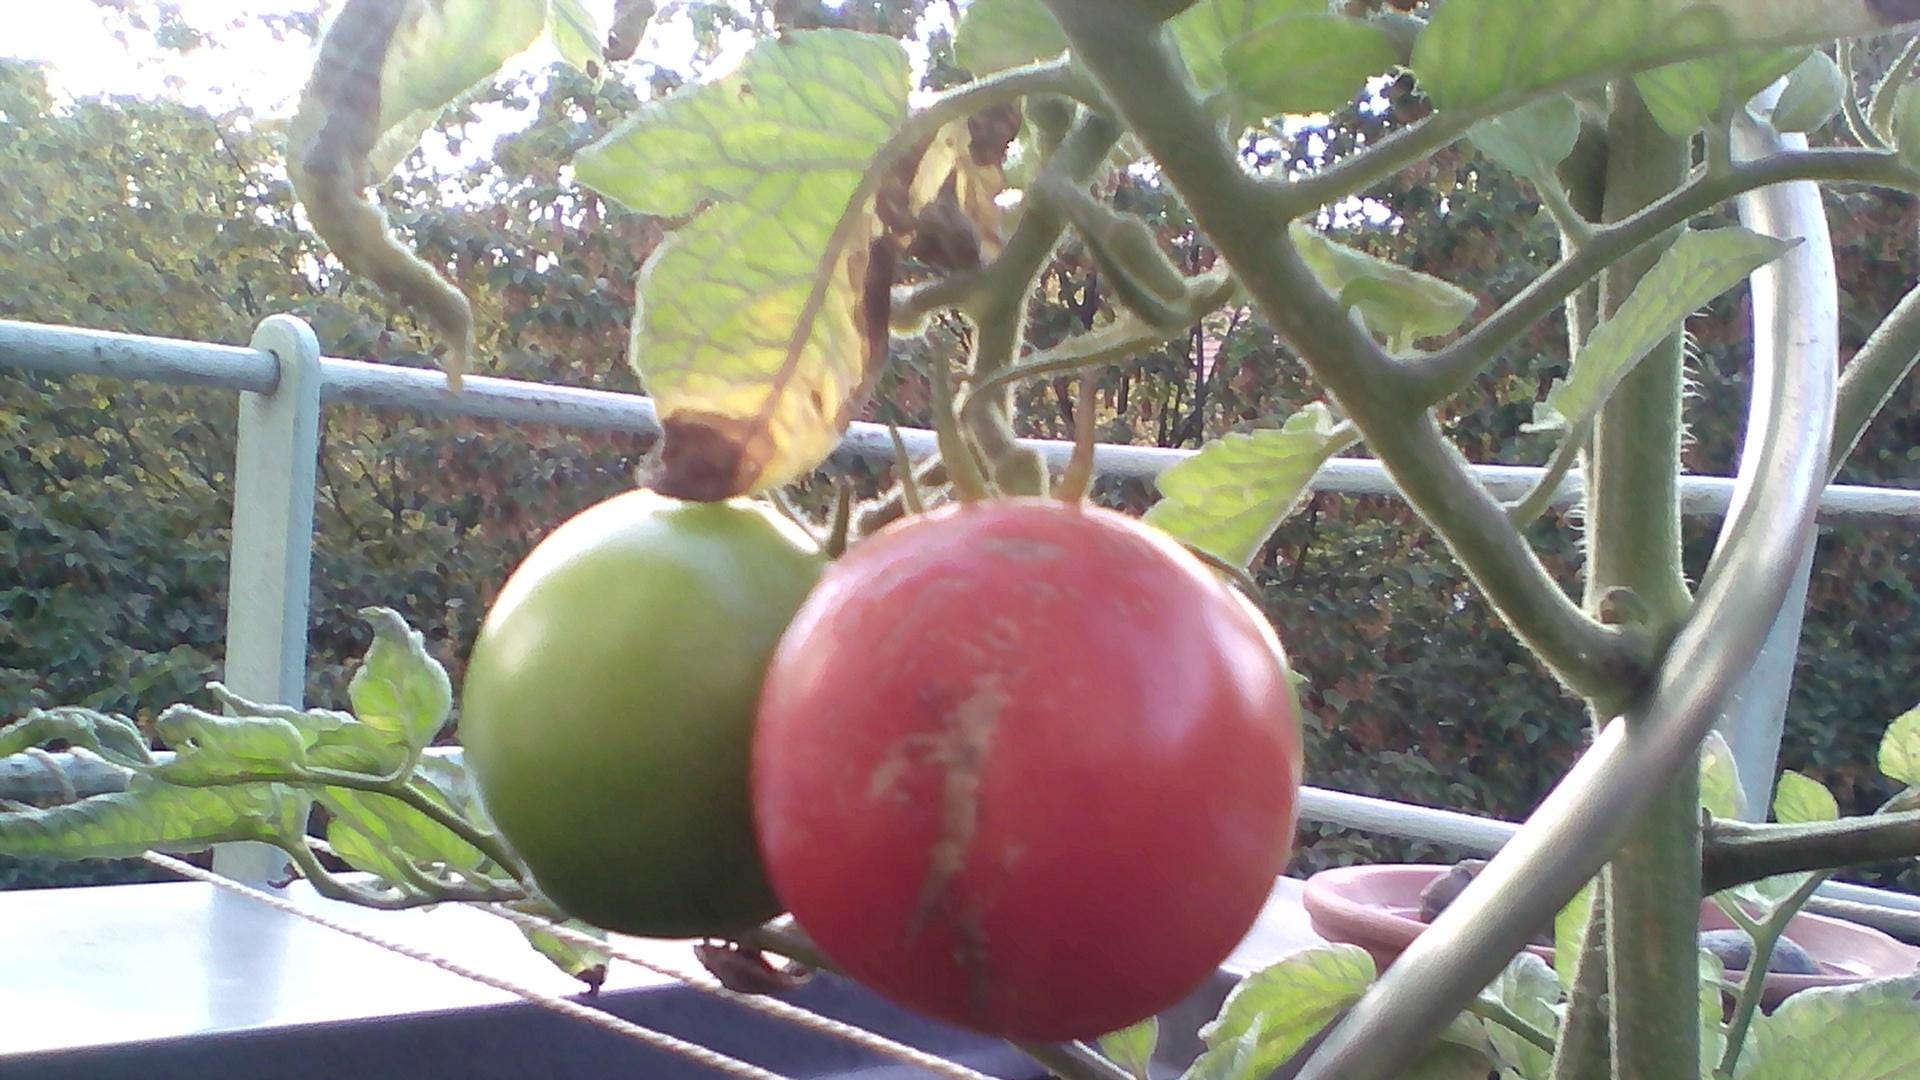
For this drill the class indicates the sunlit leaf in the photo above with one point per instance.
(1530, 141)
(1204, 32)
(1800, 799)
(1530, 990)
(384, 836)
(1474, 51)
(399, 689)
(154, 816)
(1683, 97)
(1401, 305)
(1698, 267)
(583, 962)
(1713, 1034)
(1306, 63)
(576, 36)
(1280, 1007)
(1814, 94)
(1864, 1031)
(1569, 931)
(1132, 1048)
(1228, 498)
(115, 738)
(994, 35)
(1900, 749)
(754, 381)
(209, 748)
(1720, 792)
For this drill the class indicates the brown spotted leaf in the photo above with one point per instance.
(755, 355)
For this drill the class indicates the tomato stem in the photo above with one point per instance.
(1077, 478)
(909, 484)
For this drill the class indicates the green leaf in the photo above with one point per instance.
(576, 36)
(334, 739)
(1569, 928)
(1865, 1031)
(1204, 32)
(154, 816)
(1800, 799)
(1132, 1048)
(1900, 749)
(1528, 988)
(115, 738)
(1683, 97)
(1401, 305)
(1473, 51)
(1713, 1033)
(1309, 63)
(994, 35)
(209, 748)
(585, 963)
(1235, 1059)
(400, 690)
(1814, 94)
(1275, 1010)
(1720, 792)
(1698, 267)
(774, 153)
(385, 837)
(1228, 498)
(1906, 124)
(1530, 141)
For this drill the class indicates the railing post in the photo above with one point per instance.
(272, 553)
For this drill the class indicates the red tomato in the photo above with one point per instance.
(1026, 767)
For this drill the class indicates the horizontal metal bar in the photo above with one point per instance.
(66, 350)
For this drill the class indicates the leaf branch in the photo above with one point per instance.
(1737, 852)
(1378, 393)
(1442, 373)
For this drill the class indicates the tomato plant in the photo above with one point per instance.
(1026, 766)
(609, 701)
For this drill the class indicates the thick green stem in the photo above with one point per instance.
(1871, 377)
(1633, 542)
(1148, 87)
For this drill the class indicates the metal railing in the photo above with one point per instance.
(284, 383)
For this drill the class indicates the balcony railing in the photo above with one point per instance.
(283, 383)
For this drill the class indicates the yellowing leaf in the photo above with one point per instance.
(754, 357)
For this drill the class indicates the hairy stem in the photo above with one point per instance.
(1144, 81)
(1736, 852)
(1494, 1011)
(1870, 378)
(1633, 530)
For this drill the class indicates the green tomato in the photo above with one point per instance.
(609, 703)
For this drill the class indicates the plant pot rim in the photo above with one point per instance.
(1376, 907)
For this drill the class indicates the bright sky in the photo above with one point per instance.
(245, 66)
